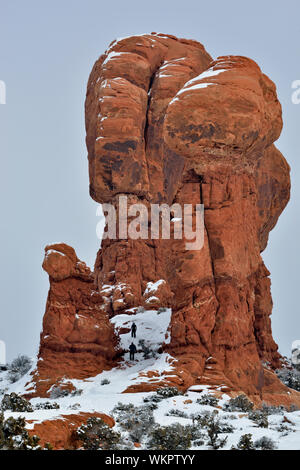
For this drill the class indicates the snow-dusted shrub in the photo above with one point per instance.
(245, 443)
(229, 417)
(173, 437)
(213, 426)
(259, 417)
(199, 442)
(125, 443)
(14, 435)
(19, 367)
(121, 407)
(96, 434)
(161, 310)
(239, 403)
(47, 405)
(225, 427)
(136, 420)
(168, 392)
(75, 406)
(202, 418)
(105, 382)
(140, 310)
(284, 429)
(15, 402)
(198, 436)
(177, 413)
(272, 409)
(290, 377)
(146, 350)
(265, 443)
(293, 408)
(59, 392)
(152, 401)
(207, 399)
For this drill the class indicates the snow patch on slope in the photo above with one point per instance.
(194, 84)
(152, 327)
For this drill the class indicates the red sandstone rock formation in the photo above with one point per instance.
(77, 338)
(160, 130)
(60, 432)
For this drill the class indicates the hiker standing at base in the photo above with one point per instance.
(133, 330)
(132, 351)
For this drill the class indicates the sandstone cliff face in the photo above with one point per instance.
(166, 123)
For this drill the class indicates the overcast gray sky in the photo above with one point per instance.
(47, 49)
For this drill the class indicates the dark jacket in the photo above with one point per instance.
(132, 348)
(133, 327)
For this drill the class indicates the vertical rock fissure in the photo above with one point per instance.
(211, 257)
(214, 276)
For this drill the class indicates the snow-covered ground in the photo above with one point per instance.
(152, 327)
(103, 398)
(103, 392)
